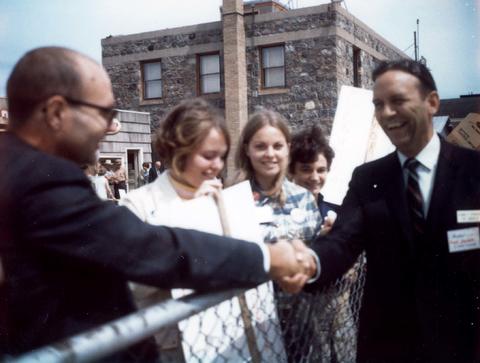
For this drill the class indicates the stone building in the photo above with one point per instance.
(296, 61)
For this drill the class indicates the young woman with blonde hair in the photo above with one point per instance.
(262, 157)
(290, 212)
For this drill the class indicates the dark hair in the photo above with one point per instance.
(184, 129)
(306, 145)
(257, 121)
(416, 69)
(38, 75)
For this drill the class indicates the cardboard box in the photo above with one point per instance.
(467, 133)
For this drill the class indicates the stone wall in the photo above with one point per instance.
(310, 94)
(178, 72)
(319, 43)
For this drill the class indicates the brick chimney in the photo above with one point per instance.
(234, 60)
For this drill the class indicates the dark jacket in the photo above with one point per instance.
(324, 206)
(421, 302)
(67, 255)
(152, 173)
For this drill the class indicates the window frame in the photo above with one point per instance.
(145, 81)
(357, 65)
(200, 75)
(262, 68)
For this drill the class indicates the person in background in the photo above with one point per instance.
(119, 179)
(291, 210)
(108, 166)
(144, 174)
(155, 171)
(310, 161)
(66, 255)
(99, 181)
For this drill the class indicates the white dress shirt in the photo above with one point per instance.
(428, 159)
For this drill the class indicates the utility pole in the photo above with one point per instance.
(415, 45)
(416, 41)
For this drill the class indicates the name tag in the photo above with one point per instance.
(264, 214)
(465, 239)
(468, 216)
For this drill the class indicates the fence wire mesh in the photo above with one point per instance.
(267, 325)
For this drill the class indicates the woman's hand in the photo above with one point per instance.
(209, 187)
(328, 222)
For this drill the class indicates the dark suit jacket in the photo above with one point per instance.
(420, 303)
(67, 255)
(324, 206)
(152, 173)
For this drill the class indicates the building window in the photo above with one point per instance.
(273, 66)
(357, 64)
(209, 73)
(152, 80)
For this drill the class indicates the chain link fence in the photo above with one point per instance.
(259, 325)
(267, 325)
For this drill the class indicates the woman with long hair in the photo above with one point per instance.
(289, 210)
(262, 157)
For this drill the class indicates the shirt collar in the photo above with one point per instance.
(428, 157)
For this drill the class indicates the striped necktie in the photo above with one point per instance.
(414, 196)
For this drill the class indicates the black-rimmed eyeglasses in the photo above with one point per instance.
(109, 113)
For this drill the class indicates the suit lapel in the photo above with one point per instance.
(397, 202)
(444, 179)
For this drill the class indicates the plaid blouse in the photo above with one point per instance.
(298, 218)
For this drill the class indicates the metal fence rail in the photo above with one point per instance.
(259, 325)
(124, 332)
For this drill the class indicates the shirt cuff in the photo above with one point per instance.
(319, 268)
(266, 256)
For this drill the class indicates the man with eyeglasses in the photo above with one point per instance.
(66, 255)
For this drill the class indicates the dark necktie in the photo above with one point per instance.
(414, 196)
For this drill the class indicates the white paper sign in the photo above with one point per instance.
(465, 239)
(356, 138)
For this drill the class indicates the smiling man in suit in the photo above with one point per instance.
(416, 214)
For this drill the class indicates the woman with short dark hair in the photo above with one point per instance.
(310, 161)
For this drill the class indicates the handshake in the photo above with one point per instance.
(291, 264)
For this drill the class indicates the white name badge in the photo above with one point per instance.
(465, 239)
(264, 214)
(298, 215)
(468, 216)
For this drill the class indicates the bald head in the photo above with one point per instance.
(38, 75)
(61, 102)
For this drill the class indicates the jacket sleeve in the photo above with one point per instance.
(64, 221)
(338, 250)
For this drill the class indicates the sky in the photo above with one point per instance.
(449, 30)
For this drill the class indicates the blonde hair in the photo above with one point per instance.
(257, 121)
(183, 130)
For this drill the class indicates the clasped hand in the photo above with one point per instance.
(291, 265)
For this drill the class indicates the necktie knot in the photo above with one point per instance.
(411, 164)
